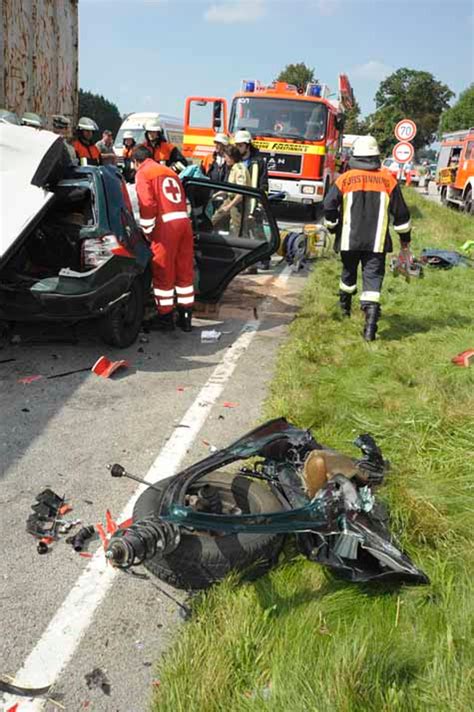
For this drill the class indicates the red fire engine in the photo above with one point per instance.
(299, 131)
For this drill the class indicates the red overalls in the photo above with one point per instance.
(165, 222)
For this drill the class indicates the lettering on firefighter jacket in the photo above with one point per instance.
(358, 208)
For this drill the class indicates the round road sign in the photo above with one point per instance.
(403, 152)
(405, 130)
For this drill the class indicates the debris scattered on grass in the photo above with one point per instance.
(464, 358)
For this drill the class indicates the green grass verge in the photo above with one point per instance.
(298, 640)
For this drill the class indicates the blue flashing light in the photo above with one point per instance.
(315, 90)
(249, 86)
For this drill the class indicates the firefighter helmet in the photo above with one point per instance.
(128, 134)
(243, 136)
(60, 122)
(153, 125)
(87, 124)
(365, 146)
(221, 138)
(30, 119)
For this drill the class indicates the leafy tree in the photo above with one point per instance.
(412, 94)
(354, 124)
(297, 74)
(461, 115)
(426, 154)
(97, 107)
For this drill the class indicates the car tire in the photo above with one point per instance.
(120, 327)
(203, 559)
(443, 196)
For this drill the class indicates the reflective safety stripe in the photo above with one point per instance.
(406, 227)
(166, 302)
(185, 300)
(146, 222)
(348, 289)
(370, 297)
(346, 225)
(164, 292)
(148, 230)
(177, 215)
(329, 223)
(382, 223)
(185, 290)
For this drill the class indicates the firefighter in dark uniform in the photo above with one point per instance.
(357, 209)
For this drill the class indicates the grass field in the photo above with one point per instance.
(298, 640)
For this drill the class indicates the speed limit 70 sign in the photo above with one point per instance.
(405, 130)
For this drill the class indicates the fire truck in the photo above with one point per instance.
(300, 131)
(455, 169)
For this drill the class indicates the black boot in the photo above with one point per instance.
(345, 302)
(184, 318)
(160, 322)
(372, 313)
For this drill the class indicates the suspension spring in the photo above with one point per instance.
(141, 541)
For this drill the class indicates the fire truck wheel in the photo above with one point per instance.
(468, 204)
(203, 558)
(443, 196)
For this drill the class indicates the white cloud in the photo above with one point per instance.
(373, 69)
(234, 11)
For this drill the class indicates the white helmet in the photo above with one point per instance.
(128, 134)
(365, 146)
(87, 124)
(152, 125)
(221, 138)
(243, 136)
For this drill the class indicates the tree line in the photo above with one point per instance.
(407, 93)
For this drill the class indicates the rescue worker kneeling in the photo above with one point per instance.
(164, 221)
(357, 209)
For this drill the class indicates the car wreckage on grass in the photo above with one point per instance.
(192, 529)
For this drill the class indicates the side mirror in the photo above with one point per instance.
(217, 115)
(339, 122)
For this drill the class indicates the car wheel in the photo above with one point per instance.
(121, 325)
(204, 558)
(468, 204)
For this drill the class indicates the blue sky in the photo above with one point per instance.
(148, 55)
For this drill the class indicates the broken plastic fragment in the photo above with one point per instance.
(29, 379)
(210, 335)
(464, 358)
(105, 367)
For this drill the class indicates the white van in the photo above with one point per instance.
(172, 129)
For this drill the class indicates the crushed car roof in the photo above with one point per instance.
(28, 160)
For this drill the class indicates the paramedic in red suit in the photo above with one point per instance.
(165, 222)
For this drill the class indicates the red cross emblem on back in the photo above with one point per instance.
(171, 190)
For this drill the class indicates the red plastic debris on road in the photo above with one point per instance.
(105, 367)
(229, 404)
(29, 379)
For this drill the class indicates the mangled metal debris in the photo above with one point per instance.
(193, 528)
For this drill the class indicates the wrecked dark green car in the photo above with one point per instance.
(192, 529)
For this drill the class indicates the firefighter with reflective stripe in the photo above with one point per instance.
(164, 220)
(86, 151)
(162, 151)
(357, 208)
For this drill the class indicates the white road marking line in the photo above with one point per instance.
(61, 638)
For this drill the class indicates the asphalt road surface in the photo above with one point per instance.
(64, 615)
